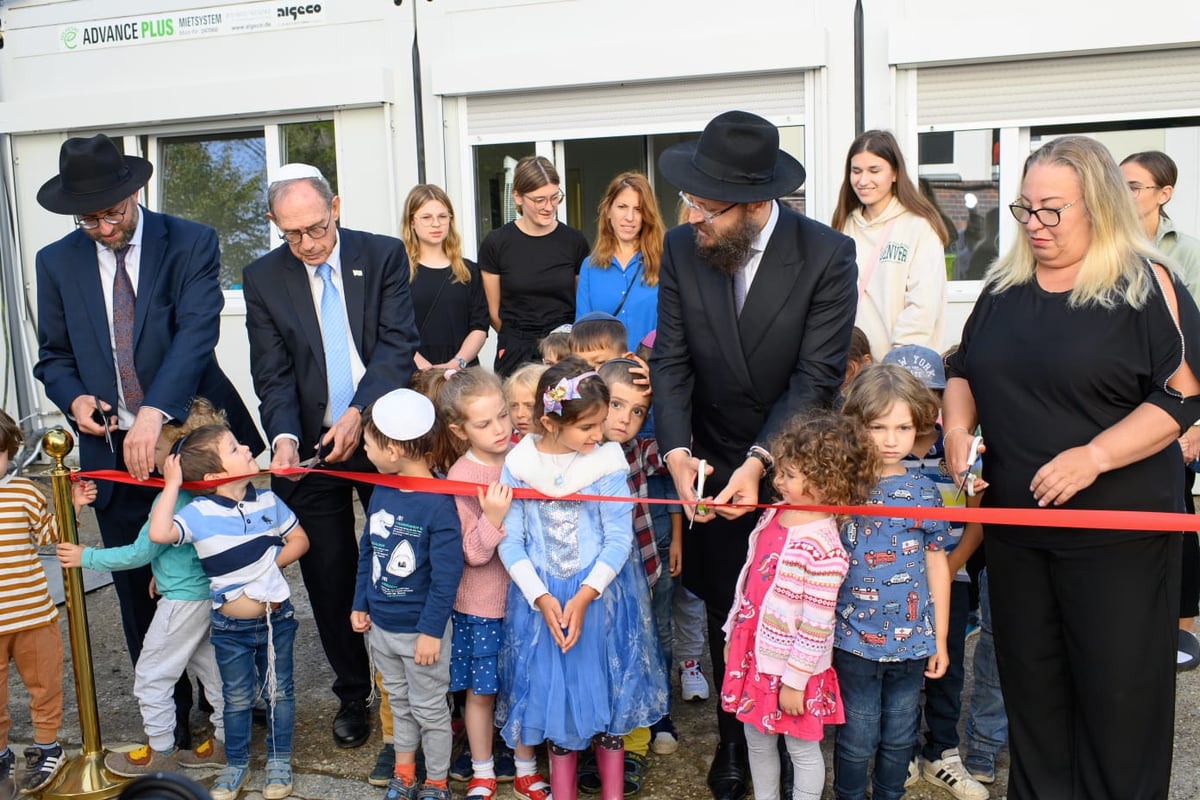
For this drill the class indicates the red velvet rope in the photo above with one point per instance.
(1038, 517)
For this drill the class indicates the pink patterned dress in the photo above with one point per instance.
(753, 696)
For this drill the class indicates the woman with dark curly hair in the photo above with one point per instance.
(779, 678)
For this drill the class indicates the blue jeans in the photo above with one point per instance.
(987, 723)
(880, 698)
(241, 646)
(943, 696)
(661, 486)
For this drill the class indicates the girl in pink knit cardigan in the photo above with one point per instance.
(475, 414)
(779, 635)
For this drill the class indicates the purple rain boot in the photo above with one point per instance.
(610, 762)
(563, 773)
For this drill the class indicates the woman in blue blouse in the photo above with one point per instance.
(621, 274)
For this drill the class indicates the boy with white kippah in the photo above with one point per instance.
(409, 567)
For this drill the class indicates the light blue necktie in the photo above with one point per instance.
(337, 351)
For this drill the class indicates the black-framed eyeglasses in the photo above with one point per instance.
(538, 202)
(90, 222)
(1047, 216)
(312, 231)
(709, 216)
(1137, 188)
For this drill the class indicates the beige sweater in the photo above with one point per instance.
(905, 299)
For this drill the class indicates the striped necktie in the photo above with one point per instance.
(337, 351)
(123, 311)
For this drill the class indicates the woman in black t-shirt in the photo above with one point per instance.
(447, 293)
(1073, 365)
(530, 267)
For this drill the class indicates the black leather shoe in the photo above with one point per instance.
(729, 773)
(351, 727)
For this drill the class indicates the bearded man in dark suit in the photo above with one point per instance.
(129, 313)
(755, 308)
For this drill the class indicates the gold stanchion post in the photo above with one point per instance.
(83, 776)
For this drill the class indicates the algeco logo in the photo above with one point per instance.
(296, 12)
(70, 38)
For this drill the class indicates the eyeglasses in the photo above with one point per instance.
(709, 216)
(538, 202)
(313, 232)
(1047, 216)
(1137, 188)
(92, 221)
(430, 219)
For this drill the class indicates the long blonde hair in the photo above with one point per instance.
(1113, 269)
(650, 239)
(421, 194)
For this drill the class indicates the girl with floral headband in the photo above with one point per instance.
(579, 660)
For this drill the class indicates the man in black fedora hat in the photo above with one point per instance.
(756, 305)
(128, 311)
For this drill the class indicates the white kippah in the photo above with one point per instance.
(290, 172)
(403, 415)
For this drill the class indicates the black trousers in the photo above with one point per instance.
(324, 506)
(1189, 592)
(1085, 643)
(713, 554)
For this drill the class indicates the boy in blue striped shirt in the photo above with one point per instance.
(243, 536)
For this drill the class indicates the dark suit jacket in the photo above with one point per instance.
(723, 382)
(177, 319)
(287, 358)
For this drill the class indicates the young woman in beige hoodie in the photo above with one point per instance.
(901, 247)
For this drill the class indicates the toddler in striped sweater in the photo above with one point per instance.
(779, 678)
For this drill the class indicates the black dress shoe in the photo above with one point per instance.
(351, 727)
(730, 770)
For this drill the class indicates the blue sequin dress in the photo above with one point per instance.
(612, 680)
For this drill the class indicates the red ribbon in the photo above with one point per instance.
(1037, 517)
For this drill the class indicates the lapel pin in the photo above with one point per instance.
(356, 273)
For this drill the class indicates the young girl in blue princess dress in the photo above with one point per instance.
(779, 678)
(580, 658)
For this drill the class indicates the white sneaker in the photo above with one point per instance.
(692, 683)
(914, 774)
(949, 773)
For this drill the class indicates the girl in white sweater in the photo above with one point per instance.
(901, 247)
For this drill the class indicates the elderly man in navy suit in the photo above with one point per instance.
(755, 308)
(129, 308)
(331, 329)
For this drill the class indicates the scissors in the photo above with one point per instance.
(98, 418)
(968, 476)
(319, 459)
(700, 508)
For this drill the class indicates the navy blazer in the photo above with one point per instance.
(287, 357)
(177, 321)
(723, 382)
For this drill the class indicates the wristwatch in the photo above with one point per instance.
(462, 364)
(762, 455)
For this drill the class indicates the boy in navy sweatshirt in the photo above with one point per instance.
(409, 566)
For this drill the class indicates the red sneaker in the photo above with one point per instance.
(481, 789)
(531, 787)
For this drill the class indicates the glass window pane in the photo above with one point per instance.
(591, 165)
(960, 172)
(310, 143)
(494, 165)
(221, 181)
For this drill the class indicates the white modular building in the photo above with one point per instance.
(383, 94)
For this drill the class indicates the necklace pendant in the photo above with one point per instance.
(558, 481)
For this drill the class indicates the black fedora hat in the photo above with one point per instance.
(92, 176)
(736, 160)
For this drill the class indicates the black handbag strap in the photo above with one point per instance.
(433, 305)
(628, 288)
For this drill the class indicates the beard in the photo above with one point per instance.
(729, 251)
(127, 228)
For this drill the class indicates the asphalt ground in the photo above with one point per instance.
(323, 771)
